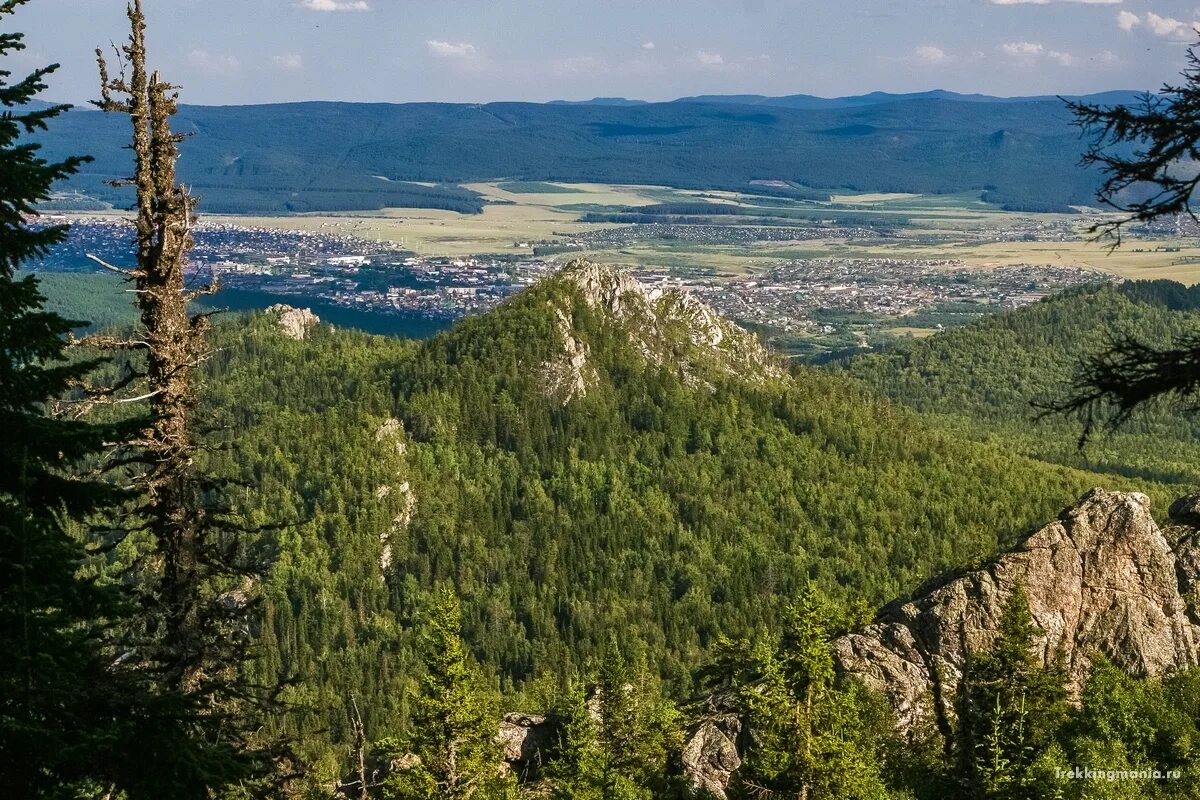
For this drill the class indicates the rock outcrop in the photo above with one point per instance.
(1103, 578)
(569, 375)
(527, 740)
(668, 326)
(391, 438)
(711, 753)
(294, 323)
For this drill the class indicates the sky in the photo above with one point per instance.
(225, 52)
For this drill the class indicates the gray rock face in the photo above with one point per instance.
(710, 754)
(657, 320)
(526, 740)
(1103, 578)
(294, 323)
(1186, 510)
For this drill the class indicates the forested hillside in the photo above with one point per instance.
(987, 380)
(671, 502)
(335, 156)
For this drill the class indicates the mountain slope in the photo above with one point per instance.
(682, 488)
(985, 378)
(329, 156)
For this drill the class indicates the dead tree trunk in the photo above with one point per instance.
(174, 344)
(196, 584)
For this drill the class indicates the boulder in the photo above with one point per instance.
(710, 753)
(1186, 510)
(526, 740)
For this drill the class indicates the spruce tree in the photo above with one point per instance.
(815, 736)
(455, 721)
(1011, 708)
(576, 770)
(63, 721)
(615, 743)
(195, 575)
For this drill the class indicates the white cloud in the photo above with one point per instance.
(710, 59)
(648, 46)
(931, 54)
(1022, 49)
(1031, 52)
(1127, 21)
(214, 63)
(1167, 26)
(335, 5)
(443, 49)
(289, 62)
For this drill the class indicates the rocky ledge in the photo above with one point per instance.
(1103, 578)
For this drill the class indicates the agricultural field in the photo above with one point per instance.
(526, 218)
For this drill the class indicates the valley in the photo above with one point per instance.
(732, 447)
(811, 276)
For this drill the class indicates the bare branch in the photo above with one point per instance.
(128, 273)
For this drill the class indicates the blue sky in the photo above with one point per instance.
(247, 51)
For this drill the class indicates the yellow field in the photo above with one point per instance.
(879, 197)
(592, 193)
(500, 229)
(916, 333)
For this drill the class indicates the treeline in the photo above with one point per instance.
(1170, 294)
(255, 193)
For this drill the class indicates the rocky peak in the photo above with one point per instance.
(667, 326)
(608, 288)
(294, 323)
(1103, 578)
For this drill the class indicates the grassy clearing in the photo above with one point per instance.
(916, 333)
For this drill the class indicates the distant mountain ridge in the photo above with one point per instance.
(811, 101)
(344, 156)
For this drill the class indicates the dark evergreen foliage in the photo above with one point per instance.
(69, 715)
(988, 380)
(1010, 710)
(666, 513)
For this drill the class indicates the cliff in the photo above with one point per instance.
(1103, 578)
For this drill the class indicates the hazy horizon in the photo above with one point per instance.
(86, 105)
(231, 52)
